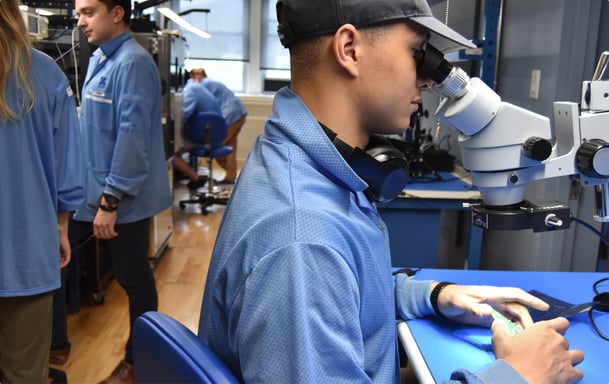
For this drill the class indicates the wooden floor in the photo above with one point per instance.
(99, 331)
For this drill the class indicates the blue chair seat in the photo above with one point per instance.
(211, 152)
(165, 351)
(206, 132)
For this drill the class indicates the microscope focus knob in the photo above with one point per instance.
(537, 148)
(593, 158)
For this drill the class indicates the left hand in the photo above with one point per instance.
(473, 304)
(540, 353)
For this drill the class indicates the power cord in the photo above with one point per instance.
(601, 300)
(75, 58)
(599, 303)
(591, 228)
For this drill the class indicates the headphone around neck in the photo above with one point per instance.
(381, 165)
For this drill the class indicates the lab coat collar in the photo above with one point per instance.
(103, 52)
(112, 46)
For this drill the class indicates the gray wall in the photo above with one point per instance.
(563, 38)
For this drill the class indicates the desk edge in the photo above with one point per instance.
(416, 360)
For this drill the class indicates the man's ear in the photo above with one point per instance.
(347, 45)
(117, 14)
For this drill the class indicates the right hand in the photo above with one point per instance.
(65, 251)
(103, 225)
(540, 353)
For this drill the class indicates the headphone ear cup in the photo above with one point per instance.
(383, 166)
(392, 168)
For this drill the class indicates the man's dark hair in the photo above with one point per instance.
(125, 4)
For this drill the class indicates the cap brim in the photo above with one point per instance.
(442, 36)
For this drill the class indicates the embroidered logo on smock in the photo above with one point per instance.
(103, 81)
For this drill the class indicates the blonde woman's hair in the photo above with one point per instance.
(15, 60)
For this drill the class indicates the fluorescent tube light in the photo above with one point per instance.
(171, 15)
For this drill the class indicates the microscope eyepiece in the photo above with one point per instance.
(449, 81)
(431, 64)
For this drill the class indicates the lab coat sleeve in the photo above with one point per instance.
(139, 91)
(412, 297)
(313, 334)
(190, 103)
(496, 373)
(190, 106)
(69, 158)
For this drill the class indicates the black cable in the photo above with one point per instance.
(600, 305)
(603, 250)
(408, 271)
(83, 243)
(595, 327)
(594, 230)
(595, 285)
(596, 305)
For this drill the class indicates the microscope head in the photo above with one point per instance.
(496, 139)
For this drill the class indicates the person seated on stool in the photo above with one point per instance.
(234, 113)
(197, 99)
(299, 287)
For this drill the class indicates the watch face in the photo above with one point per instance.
(111, 200)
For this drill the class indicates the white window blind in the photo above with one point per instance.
(272, 53)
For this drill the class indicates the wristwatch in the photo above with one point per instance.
(435, 293)
(111, 201)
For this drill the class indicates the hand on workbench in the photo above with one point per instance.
(473, 304)
(540, 353)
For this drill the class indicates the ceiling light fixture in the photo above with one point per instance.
(43, 12)
(171, 15)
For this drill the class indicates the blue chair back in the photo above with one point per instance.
(206, 129)
(165, 351)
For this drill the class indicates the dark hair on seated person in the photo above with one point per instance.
(125, 4)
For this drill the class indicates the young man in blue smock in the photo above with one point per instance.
(42, 171)
(127, 178)
(299, 287)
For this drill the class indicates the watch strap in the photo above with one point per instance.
(435, 293)
(108, 208)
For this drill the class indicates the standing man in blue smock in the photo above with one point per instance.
(42, 171)
(127, 179)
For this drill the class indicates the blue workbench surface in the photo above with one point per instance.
(445, 346)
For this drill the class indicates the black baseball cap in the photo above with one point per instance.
(308, 18)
